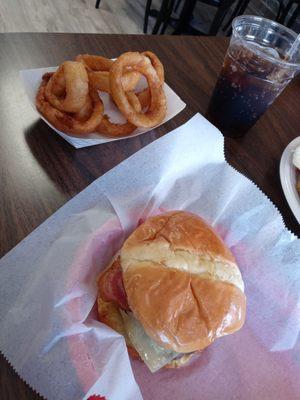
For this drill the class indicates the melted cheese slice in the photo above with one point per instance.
(153, 355)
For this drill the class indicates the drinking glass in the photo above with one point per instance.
(258, 65)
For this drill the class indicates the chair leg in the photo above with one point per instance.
(185, 16)
(244, 6)
(146, 17)
(177, 5)
(220, 15)
(233, 15)
(285, 12)
(168, 16)
(239, 10)
(218, 19)
(97, 3)
(280, 10)
(294, 16)
(161, 16)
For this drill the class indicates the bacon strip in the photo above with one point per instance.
(111, 286)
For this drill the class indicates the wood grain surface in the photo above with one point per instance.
(40, 171)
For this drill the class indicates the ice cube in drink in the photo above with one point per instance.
(246, 87)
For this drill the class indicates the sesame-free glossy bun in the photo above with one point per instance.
(182, 282)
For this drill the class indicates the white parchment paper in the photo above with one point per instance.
(49, 331)
(31, 79)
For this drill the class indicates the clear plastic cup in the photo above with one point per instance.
(256, 68)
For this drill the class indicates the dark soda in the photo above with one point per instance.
(246, 87)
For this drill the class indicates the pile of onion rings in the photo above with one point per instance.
(69, 98)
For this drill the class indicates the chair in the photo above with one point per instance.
(162, 16)
(182, 24)
(186, 14)
(284, 15)
(240, 9)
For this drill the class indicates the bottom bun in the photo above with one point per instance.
(109, 314)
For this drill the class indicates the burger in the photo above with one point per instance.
(173, 288)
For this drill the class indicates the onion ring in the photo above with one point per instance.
(58, 87)
(76, 87)
(67, 122)
(94, 63)
(144, 96)
(112, 129)
(100, 80)
(155, 61)
(109, 128)
(134, 101)
(86, 110)
(59, 83)
(47, 76)
(157, 108)
(130, 80)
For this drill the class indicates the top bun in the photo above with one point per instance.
(182, 282)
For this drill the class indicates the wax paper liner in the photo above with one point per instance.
(31, 79)
(49, 332)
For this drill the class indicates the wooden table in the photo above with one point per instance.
(40, 171)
